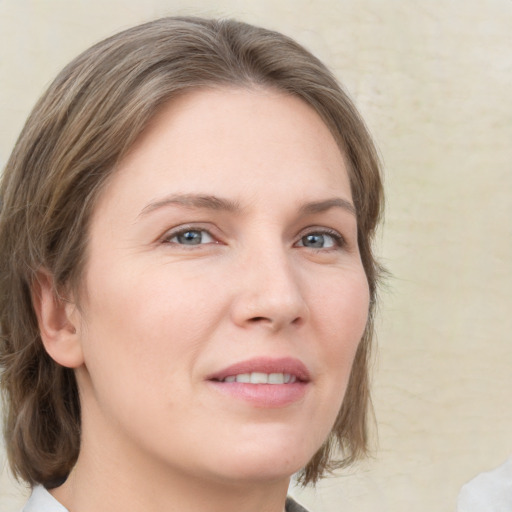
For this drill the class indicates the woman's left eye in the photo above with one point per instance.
(190, 237)
(320, 240)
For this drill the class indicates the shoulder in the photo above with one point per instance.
(42, 501)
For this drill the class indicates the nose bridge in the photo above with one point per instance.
(271, 291)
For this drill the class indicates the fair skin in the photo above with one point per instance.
(224, 245)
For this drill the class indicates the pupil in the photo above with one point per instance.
(314, 241)
(190, 237)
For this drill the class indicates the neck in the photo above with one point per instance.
(112, 479)
(80, 494)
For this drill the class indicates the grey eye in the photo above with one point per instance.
(317, 241)
(192, 237)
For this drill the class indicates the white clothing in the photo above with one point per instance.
(42, 501)
(490, 491)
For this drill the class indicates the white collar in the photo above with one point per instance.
(42, 501)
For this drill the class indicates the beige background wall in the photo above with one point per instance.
(434, 80)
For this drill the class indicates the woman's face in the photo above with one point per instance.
(223, 250)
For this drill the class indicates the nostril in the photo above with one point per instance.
(272, 321)
(260, 319)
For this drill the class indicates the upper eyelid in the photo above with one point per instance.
(322, 230)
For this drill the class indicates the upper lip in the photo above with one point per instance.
(288, 365)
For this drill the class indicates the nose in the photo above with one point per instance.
(270, 292)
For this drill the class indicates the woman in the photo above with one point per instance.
(187, 281)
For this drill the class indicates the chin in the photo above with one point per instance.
(267, 461)
(262, 471)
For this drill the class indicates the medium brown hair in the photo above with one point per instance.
(81, 127)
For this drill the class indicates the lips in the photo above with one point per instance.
(263, 382)
(255, 368)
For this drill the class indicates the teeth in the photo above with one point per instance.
(276, 378)
(262, 378)
(259, 378)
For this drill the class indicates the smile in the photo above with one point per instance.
(263, 382)
(264, 370)
(261, 378)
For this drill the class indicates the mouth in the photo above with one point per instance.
(261, 378)
(264, 370)
(263, 382)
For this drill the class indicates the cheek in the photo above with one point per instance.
(146, 321)
(339, 315)
(342, 317)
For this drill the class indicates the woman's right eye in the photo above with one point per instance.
(190, 237)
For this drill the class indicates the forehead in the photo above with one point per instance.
(233, 138)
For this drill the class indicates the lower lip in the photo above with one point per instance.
(263, 395)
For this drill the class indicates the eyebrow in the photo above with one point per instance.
(207, 202)
(210, 202)
(322, 206)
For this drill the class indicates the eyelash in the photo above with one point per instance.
(338, 240)
(167, 238)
